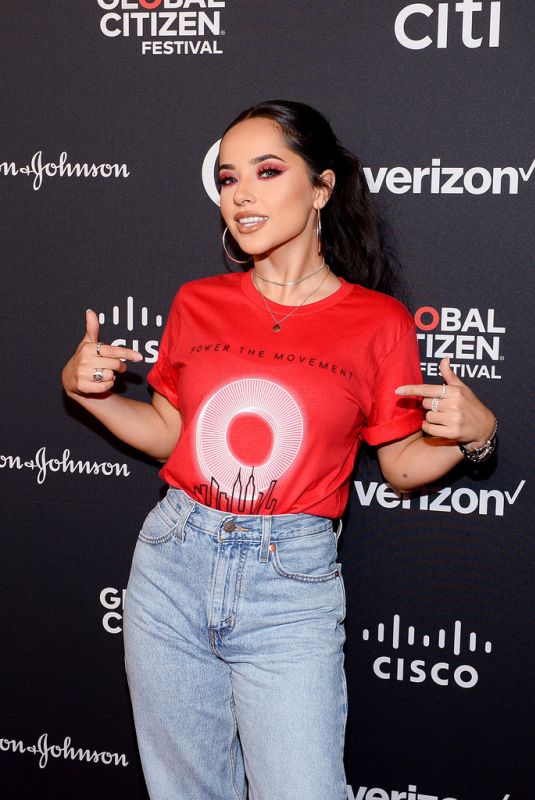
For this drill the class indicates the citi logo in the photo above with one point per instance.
(463, 500)
(127, 319)
(113, 601)
(487, 23)
(418, 670)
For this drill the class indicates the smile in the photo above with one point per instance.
(252, 221)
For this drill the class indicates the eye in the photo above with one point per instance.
(225, 180)
(269, 172)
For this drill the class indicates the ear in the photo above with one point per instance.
(324, 192)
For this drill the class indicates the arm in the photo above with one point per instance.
(152, 428)
(461, 417)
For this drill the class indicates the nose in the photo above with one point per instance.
(244, 193)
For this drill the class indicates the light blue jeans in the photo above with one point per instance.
(233, 631)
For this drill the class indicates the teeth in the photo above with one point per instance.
(250, 220)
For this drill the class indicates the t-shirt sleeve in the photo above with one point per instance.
(392, 416)
(162, 376)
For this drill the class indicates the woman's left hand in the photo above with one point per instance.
(453, 410)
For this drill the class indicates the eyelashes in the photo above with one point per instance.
(272, 170)
(265, 173)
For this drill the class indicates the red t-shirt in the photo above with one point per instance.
(272, 422)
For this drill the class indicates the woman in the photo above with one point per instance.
(266, 383)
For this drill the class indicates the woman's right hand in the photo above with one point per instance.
(78, 372)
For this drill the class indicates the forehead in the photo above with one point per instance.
(250, 138)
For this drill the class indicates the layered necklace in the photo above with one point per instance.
(278, 322)
(289, 283)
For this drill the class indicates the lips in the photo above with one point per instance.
(249, 222)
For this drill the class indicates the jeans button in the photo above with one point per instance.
(229, 526)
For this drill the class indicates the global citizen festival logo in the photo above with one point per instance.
(113, 601)
(470, 339)
(434, 668)
(166, 27)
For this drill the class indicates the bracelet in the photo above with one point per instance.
(480, 454)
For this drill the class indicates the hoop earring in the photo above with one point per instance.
(318, 232)
(236, 260)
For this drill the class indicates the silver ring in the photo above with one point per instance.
(98, 375)
(99, 345)
(442, 392)
(434, 404)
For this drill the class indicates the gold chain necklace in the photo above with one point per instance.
(278, 322)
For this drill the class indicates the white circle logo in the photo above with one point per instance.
(208, 172)
(264, 399)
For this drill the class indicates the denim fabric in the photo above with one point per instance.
(233, 631)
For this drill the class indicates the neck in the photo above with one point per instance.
(289, 264)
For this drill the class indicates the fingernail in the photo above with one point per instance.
(399, 390)
(139, 357)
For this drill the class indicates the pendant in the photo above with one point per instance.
(276, 328)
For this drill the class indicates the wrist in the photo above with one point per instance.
(488, 431)
(480, 451)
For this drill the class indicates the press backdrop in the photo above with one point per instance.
(110, 109)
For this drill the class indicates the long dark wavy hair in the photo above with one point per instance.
(352, 230)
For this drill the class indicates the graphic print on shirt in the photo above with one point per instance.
(248, 433)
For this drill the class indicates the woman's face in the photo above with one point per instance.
(267, 198)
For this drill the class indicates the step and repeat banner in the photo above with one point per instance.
(111, 115)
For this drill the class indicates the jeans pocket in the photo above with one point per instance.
(310, 559)
(158, 527)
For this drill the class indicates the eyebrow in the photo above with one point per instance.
(254, 161)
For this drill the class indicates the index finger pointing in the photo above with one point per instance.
(420, 390)
(124, 353)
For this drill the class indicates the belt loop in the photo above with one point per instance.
(189, 505)
(339, 530)
(266, 536)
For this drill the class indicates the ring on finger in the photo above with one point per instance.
(434, 404)
(98, 375)
(442, 392)
(99, 345)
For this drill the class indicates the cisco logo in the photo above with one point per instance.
(129, 319)
(440, 672)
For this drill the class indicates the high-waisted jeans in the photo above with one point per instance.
(234, 634)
